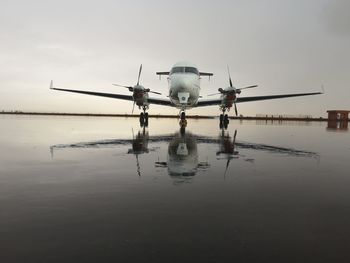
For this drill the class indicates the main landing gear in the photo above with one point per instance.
(224, 120)
(144, 118)
(183, 121)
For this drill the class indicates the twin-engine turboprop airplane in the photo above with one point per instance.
(184, 93)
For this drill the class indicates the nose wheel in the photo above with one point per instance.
(224, 120)
(144, 118)
(183, 121)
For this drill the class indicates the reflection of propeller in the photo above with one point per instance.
(234, 139)
(139, 146)
(233, 152)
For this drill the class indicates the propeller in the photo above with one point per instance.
(232, 89)
(229, 159)
(137, 86)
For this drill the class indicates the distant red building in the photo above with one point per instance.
(338, 119)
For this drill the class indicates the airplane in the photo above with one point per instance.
(184, 93)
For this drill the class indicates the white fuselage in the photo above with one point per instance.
(184, 86)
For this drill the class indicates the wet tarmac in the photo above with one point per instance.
(88, 189)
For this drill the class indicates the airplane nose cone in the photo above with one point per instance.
(184, 84)
(181, 85)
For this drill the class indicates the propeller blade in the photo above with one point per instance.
(227, 164)
(229, 75)
(155, 92)
(127, 87)
(234, 138)
(236, 109)
(138, 79)
(249, 87)
(214, 94)
(133, 107)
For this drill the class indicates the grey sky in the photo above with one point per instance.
(283, 46)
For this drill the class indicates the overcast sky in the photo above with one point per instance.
(283, 46)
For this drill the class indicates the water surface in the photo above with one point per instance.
(86, 189)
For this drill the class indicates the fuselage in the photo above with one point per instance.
(184, 85)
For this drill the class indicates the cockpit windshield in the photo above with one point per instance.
(191, 70)
(184, 70)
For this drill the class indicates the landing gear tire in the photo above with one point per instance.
(183, 116)
(226, 120)
(146, 119)
(142, 119)
(183, 123)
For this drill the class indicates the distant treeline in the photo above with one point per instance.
(267, 117)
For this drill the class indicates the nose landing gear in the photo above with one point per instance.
(183, 121)
(144, 118)
(224, 120)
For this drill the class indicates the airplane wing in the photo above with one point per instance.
(164, 102)
(212, 102)
(159, 101)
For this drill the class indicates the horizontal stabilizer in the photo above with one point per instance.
(163, 73)
(206, 74)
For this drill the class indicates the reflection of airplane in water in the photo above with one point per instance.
(183, 155)
(182, 159)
